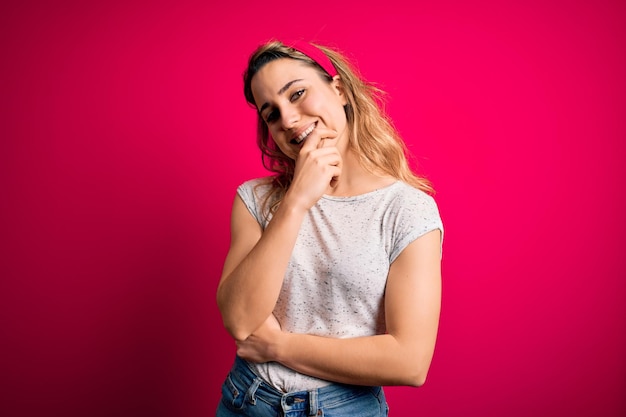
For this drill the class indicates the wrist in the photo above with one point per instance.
(281, 347)
(294, 203)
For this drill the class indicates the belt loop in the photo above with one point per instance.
(313, 402)
(252, 390)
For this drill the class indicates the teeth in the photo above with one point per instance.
(304, 134)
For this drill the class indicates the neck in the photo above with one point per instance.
(355, 179)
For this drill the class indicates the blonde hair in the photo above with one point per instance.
(372, 135)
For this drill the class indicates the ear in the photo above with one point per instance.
(338, 87)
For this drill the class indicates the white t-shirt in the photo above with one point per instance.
(335, 281)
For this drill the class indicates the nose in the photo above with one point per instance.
(289, 117)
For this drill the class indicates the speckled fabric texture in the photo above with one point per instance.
(335, 282)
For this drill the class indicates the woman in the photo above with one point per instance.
(332, 283)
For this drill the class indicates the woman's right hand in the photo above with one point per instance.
(318, 167)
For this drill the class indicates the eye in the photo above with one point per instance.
(297, 94)
(272, 116)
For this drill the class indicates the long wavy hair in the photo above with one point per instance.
(372, 135)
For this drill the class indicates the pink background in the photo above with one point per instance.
(124, 134)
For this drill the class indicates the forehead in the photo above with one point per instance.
(275, 74)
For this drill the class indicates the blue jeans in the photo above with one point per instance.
(246, 394)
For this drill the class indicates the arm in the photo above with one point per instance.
(257, 259)
(400, 357)
(254, 267)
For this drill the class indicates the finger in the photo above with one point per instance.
(328, 156)
(317, 137)
(328, 138)
(332, 163)
(335, 176)
(311, 142)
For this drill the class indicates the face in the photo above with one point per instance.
(293, 100)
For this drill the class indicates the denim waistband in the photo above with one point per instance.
(306, 401)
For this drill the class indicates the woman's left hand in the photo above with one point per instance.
(262, 345)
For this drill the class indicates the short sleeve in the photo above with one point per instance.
(252, 193)
(417, 215)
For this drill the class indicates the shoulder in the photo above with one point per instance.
(415, 213)
(255, 188)
(415, 208)
(254, 194)
(407, 195)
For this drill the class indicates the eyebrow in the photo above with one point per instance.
(281, 91)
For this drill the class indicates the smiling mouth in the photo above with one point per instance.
(300, 138)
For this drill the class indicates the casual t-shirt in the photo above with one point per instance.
(335, 281)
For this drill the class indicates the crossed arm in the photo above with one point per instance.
(249, 289)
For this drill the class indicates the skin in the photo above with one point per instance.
(292, 97)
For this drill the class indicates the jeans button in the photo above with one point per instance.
(289, 401)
